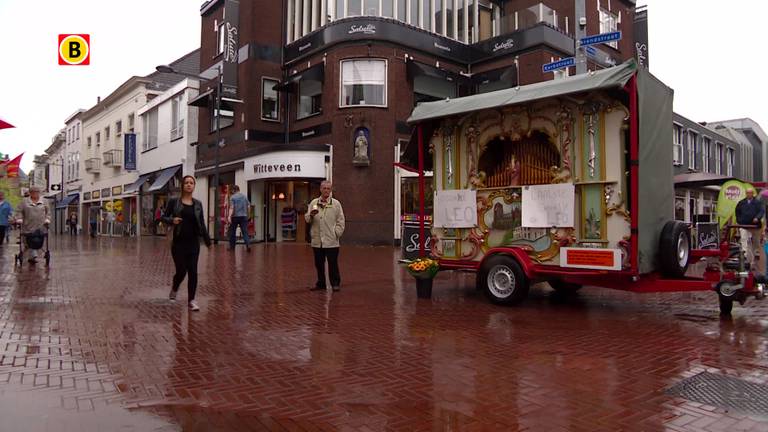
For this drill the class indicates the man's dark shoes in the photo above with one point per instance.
(317, 288)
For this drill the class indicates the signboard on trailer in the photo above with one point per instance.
(589, 258)
(456, 208)
(548, 206)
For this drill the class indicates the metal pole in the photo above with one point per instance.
(422, 240)
(216, 159)
(581, 31)
(66, 210)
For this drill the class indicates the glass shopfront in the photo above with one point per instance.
(279, 208)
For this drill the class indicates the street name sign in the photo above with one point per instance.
(560, 64)
(599, 39)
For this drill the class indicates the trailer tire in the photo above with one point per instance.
(503, 281)
(562, 286)
(674, 249)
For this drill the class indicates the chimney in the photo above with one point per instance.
(98, 100)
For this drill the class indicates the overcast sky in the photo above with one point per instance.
(716, 58)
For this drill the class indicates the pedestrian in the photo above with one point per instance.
(33, 217)
(238, 218)
(6, 213)
(72, 223)
(110, 218)
(185, 215)
(326, 219)
(750, 212)
(93, 220)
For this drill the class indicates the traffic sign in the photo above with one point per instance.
(601, 38)
(56, 187)
(560, 64)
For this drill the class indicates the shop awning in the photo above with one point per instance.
(163, 178)
(135, 186)
(67, 201)
(315, 73)
(202, 100)
(697, 179)
(615, 77)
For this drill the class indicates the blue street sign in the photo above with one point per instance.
(129, 151)
(560, 64)
(601, 38)
(590, 50)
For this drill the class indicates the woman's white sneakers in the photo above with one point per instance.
(193, 306)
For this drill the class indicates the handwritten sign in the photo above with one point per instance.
(456, 208)
(546, 206)
(707, 235)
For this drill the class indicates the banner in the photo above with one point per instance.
(231, 47)
(129, 152)
(641, 36)
(731, 193)
(11, 167)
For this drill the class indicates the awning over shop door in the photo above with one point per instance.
(135, 186)
(163, 178)
(67, 201)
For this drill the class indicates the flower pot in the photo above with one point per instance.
(424, 288)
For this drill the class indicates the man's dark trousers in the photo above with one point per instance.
(332, 255)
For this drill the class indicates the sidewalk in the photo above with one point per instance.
(93, 344)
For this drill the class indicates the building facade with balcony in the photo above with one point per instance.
(73, 185)
(705, 157)
(326, 86)
(105, 127)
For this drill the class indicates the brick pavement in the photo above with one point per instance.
(92, 344)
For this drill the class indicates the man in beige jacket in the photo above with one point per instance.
(326, 219)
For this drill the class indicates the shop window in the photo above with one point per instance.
(310, 98)
(527, 161)
(270, 101)
(409, 195)
(364, 82)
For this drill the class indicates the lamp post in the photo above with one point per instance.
(169, 69)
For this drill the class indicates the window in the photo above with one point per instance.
(680, 199)
(98, 139)
(731, 165)
(706, 166)
(270, 100)
(89, 142)
(426, 15)
(371, 7)
(77, 165)
(130, 122)
(402, 7)
(719, 159)
(310, 98)
(354, 7)
(221, 40)
(106, 133)
(449, 20)
(77, 129)
(118, 127)
(693, 149)
(387, 8)
(439, 17)
(678, 136)
(609, 23)
(364, 82)
(149, 140)
(177, 122)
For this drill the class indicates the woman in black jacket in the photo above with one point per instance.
(185, 215)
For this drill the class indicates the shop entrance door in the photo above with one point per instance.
(285, 205)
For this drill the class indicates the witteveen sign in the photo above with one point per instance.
(456, 208)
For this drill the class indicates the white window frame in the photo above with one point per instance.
(341, 81)
(678, 146)
(220, 40)
(119, 128)
(719, 154)
(707, 153)
(147, 141)
(609, 22)
(261, 106)
(177, 118)
(693, 141)
(730, 161)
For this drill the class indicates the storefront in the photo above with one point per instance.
(65, 208)
(155, 189)
(280, 187)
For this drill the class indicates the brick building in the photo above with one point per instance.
(317, 89)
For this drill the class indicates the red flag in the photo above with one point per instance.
(12, 166)
(5, 125)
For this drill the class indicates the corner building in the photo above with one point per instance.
(326, 86)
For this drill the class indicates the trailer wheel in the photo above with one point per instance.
(503, 280)
(674, 249)
(562, 286)
(726, 295)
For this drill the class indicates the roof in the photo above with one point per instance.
(615, 77)
(189, 63)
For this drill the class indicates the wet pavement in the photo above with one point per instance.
(93, 344)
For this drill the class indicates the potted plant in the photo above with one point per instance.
(423, 270)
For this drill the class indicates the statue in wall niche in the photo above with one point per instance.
(362, 155)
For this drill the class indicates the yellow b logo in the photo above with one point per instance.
(74, 49)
